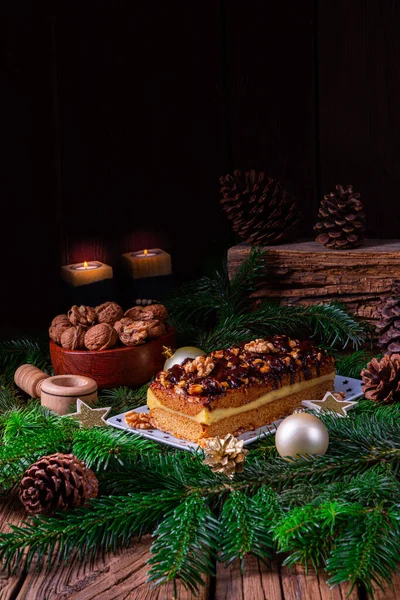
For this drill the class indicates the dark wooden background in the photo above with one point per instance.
(118, 118)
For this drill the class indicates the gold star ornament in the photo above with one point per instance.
(90, 417)
(330, 403)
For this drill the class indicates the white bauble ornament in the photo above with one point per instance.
(301, 434)
(179, 356)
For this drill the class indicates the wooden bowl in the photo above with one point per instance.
(130, 366)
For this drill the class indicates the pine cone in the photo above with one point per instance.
(57, 482)
(225, 455)
(381, 379)
(388, 327)
(342, 219)
(261, 210)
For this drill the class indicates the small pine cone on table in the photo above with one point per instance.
(261, 210)
(388, 327)
(57, 482)
(341, 221)
(381, 379)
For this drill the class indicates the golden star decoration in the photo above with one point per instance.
(330, 404)
(90, 417)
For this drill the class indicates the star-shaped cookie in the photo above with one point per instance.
(90, 417)
(330, 404)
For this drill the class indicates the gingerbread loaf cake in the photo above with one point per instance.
(239, 388)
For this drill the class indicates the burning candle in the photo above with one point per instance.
(87, 272)
(145, 254)
(147, 263)
(86, 266)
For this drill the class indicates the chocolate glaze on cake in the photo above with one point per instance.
(242, 365)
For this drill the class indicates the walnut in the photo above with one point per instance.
(155, 311)
(119, 324)
(260, 346)
(101, 337)
(82, 315)
(138, 420)
(147, 313)
(135, 313)
(155, 329)
(133, 334)
(58, 325)
(163, 379)
(109, 312)
(60, 319)
(195, 389)
(73, 338)
(202, 364)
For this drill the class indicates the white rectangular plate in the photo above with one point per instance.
(351, 387)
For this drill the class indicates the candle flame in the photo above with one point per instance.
(145, 252)
(85, 264)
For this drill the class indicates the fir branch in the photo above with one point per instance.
(369, 549)
(308, 532)
(10, 397)
(351, 365)
(215, 298)
(29, 422)
(213, 313)
(328, 323)
(122, 399)
(171, 470)
(14, 353)
(106, 524)
(105, 447)
(15, 458)
(244, 282)
(373, 486)
(243, 528)
(190, 552)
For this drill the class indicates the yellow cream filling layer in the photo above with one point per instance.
(207, 417)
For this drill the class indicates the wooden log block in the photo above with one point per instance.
(308, 273)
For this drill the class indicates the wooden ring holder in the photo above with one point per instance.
(60, 393)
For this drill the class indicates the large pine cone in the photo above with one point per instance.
(57, 482)
(261, 210)
(381, 379)
(388, 327)
(341, 219)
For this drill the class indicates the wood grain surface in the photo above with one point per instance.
(122, 576)
(307, 272)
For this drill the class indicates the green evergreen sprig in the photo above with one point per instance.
(107, 524)
(214, 312)
(189, 554)
(320, 510)
(14, 353)
(102, 448)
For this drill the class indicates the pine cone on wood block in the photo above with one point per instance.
(381, 379)
(388, 327)
(57, 482)
(261, 210)
(341, 219)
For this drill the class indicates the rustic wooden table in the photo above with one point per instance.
(123, 577)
